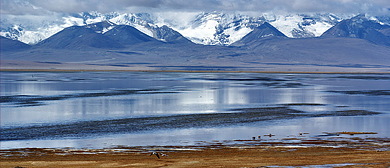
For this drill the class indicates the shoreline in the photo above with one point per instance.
(350, 152)
(184, 71)
(36, 66)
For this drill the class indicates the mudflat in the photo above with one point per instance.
(332, 152)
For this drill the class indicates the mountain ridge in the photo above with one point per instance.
(264, 31)
(212, 28)
(360, 27)
(78, 38)
(105, 44)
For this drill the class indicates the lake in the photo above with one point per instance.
(106, 109)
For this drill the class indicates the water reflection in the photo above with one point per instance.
(165, 94)
(282, 129)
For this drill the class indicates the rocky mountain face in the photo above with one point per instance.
(169, 35)
(362, 28)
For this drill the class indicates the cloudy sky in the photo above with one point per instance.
(44, 7)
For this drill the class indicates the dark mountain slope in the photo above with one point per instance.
(360, 27)
(169, 35)
(7, 44)
(385, 31)
(319, 51)
(79, 38)
(128, 35)
(264, 31)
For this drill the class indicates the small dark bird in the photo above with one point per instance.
(155, 153)
(270, 135)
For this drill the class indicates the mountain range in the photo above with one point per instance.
(213, 28)
(350, 44)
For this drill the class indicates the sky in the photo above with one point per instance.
(47, 7)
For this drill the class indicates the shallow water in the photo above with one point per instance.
(103, 109)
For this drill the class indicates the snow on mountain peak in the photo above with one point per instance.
(224, 29)
(214, 28)
(304, 25)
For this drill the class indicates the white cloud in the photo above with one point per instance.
(16, 7)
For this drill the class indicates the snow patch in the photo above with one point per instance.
(286, 24)
(34, 37)
(72, 21)
(132, 20)
(107, 29)
(143, 29)
(319, 28)
(235, 35)
(122, 19)
(203, 33)
(94, 20)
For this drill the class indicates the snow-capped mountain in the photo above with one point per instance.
(34, 29)
(33, 32)
(80, 37)
(225, 29)
(361, 27)
(110, 45)
(213, 28)
(259, 33)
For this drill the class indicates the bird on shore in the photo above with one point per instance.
(270, 135)
(158, 154)
(155, 153)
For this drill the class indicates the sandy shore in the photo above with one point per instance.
(334, 152)
(31, 66)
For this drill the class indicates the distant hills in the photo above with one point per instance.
(352, 43)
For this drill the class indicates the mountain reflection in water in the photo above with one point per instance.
(142, 108)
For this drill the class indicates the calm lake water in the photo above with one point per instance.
(105, 109)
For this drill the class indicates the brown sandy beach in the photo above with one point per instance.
(352, 152)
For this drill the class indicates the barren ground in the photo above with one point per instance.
(354, 152)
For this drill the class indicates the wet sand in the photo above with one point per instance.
(34, 66)
(333, 152)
